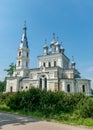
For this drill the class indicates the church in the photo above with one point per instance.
(55, 71)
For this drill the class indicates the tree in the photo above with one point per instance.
(2, 85)
(11, 69)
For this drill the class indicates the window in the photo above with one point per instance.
(49, 64)
(45, 83)
(83, 88)
(44, 64)
(68, 88)
(20, 53)
(54, 63)
(21, 87)
(18, 63)
(11, 89)
(40, 83)
(27, 54)
(26, 87)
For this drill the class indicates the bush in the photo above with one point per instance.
(3, 97)
(50, 103)
(27, 101)
(13, 101)
(85, 108)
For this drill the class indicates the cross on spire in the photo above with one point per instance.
(24, 26)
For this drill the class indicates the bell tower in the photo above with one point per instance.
(22, 61)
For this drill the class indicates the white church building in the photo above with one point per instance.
(55, 71)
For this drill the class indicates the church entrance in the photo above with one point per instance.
(11, 89)
(43, 82)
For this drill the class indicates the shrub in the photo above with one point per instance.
(49, 103)
(3, 97)
(13, 100)
(25, 100)
(85, 108)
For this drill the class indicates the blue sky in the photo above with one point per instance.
(71, 20)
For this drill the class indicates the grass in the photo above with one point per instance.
(70, 118)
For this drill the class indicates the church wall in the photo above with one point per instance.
(65, 62)
(61, 60)
(28, 84)
(21, 72)
(84, 83)
(55, 74)
(24, 86)
(64, 83)
(12, 85)
(53, 86)
(68, 74)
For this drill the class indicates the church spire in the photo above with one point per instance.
(24, 42)
(22, 61)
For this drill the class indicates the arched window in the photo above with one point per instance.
(19, 53)
(21, 87)
(45, 83)
(27, 54)
(49, 64)
(18, 63)
(40, 83)
(54, 63)
(44, 64)
(83, 88)
(68, 88)
(11, 89)
(26, 87)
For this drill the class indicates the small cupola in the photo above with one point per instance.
(73, 63)
(57, 44)
(62, 49)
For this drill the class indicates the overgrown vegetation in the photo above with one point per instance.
(2, 85)
(72, 108)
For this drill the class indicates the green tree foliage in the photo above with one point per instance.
(85, 108)
(11, 69)
(3, 98)
(51, 103)
(2, 86)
